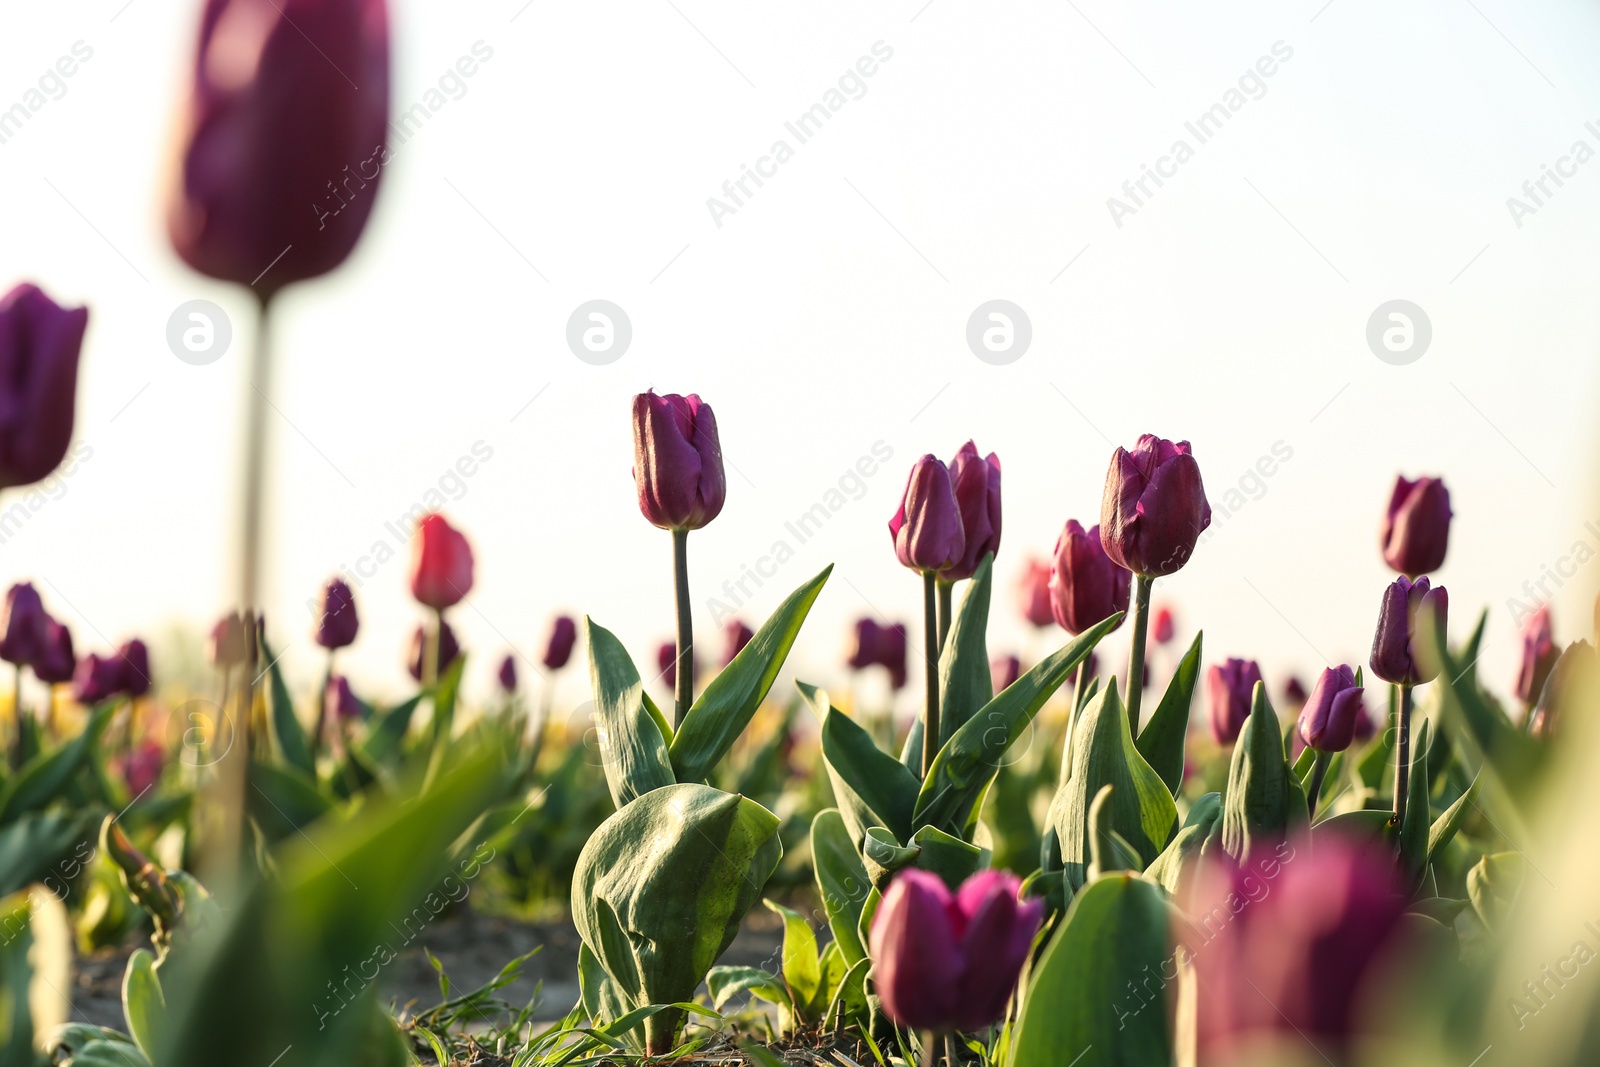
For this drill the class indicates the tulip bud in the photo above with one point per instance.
(337, 622)
(735, 636)
(507, 674)
(927, 530)
(57, 662)
(1162, 627)
(1294, 693)
(1085, 585)
(441, 563)
(558, 649)
(228, 641)
(1539, 654)
(1033, 593)
(342, 701)
(448, 650)
(97, 678)
(976, 484)
(944, 961)
(1416, 527)
(1398, 654)
(284, 139)
(39, 347)
(135, 668)
(1154, 507)
(1328, 719)
(677, 460)
(1003, 671)
(1231, 687)
(23, 625)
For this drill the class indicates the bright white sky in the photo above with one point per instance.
(829, 312)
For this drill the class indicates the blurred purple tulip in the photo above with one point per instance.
(1539, 655)
(879, 646)
(944, 961)
(1003, 671)
(337, 622)
(39, 346)
(57, 663)
(441, 563)
(558, 648)
(342, 701)
(1294, 693)
(667, 663)
(135, 667)
(97, 678)
(24, 626)
(282, 145)
(927, 530)
(677, 460)
(507, 675)
(863, 644)
(1328, 719)
(1154, 507)
(228, 641)
(141, 768)
(1033, 593)
(1398, 654)
(976, 484)
(1162, 628)
(1416, 526)
(735, 636)
(1085, 585)
(1230, 687)
(449, 649)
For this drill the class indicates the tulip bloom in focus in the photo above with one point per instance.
(1154, 507)
(1330, 714)
(976, 484)
(1416, 526)
(677, 460)
(927, 530)
(1230, 687)
(39, 346)
(1398, 652)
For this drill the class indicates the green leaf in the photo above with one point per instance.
(966, 683)
(842, 881)
(1140, 809)
(661, 887)
(1080, 1007)
(1109, 852)
(47, 776)
(1370, 826)
(872, 787)
(16, 1015)
(1445, 827)
(726, 982)
(802, 971)
(883, 855)
(965, 766)
(282, 800)
(288, 736)
(726, 706)
(32, 845)
(1415, 832)
(1513, 757)
(603, 1000)
(1162, 739)
(1494, 885)
(1201, 835)
(951, 858)
(1440, 909)
(1257, 808)
(144, 1006)
(388, 731)
(849, 1001)
(632, 747)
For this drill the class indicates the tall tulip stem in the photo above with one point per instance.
(1319, 771)
(946, 591)
(322, 708)
(1402, 755)
(930, 631)
(1141, 625)
(684, 696)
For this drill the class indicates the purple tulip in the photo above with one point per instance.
(1416, 527)
(944, 961)
(449, 649)
(283, 141)
(1162, 627)
(1085, 585)
(1033, 593)
(667, 663)
(57, 663)
(24, 626)
(97, 678)
(1003, 671)
(441, 563)
(1154, 507)
(892, 653)
(337, 621)
(141, 768)
(976, 484)
(735, 636)
(342, 701)
(677, 460)
(863, 644)
(1328, 719)
(1231, 688)
(1398, 655)
(558, 648)
(1539, 655)
(135, 667)
(1294, 693)
(39, 346)
(507, 674)
(927, 530)
(228, 641)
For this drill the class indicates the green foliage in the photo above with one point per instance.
(1263, 801)
(1161, 742)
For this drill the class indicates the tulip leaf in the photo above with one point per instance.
(1200, 836)
(661, 887)
(951, 858)
(965, 766)
(841, 881)
(32, 845)
(1446, 826)
(1512, 756)
(632, 747)
(726, 706)
(1494, 885)
(1140, 809)
(1370, 826)
(1079, 1007)
(850, 998)
(144, 1006)
(16, 1015)
(47, 776)
(603, 1000)
(1258, 807)
(871, 786)
(883, 856)
(726, 982)
(966, 683)
(388, 731)
(1162, 739)
(288, 735)
(1109, 851)
(802, 970)
(282, 800)
(1415, 831)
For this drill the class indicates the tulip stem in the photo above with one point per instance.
(930, 630)
(16, 719)
(1141, 624)
(946, 589)
(1402, 756)
(930, 1048)
(1319, 771)
(322, 708)
(684, 697)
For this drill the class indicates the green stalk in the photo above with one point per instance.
(946, 589)
(1319, 771)
(1402, 756)
(1141, 625)
(322, 708)
(684, 696)
(930, 631)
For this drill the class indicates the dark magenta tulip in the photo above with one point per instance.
(282, 145)
(1398, 652)
(872, 645)
(24, 626)
(1003, 671)
(927, 530)
(97, 678)
(1230, 686)
(677, 460)
(1416, 527)
(1294, 693)
(449, 649)
(863, 644)
(1086, 586)
(441, 563)
(39, 346)
(667, 663)
(1154, 507)
(228, 641)
(135, 667)
(1539, 654)
(337, 622)
(1033, 593)
(342, 701)
(558, 648)
(735, 635)
(141, 768)
(1328, 719)
(57, 663)
(944, 961)
(507, 675)
(976, 483)
(1162, 628)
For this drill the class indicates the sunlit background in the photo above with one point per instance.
(828, 313)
